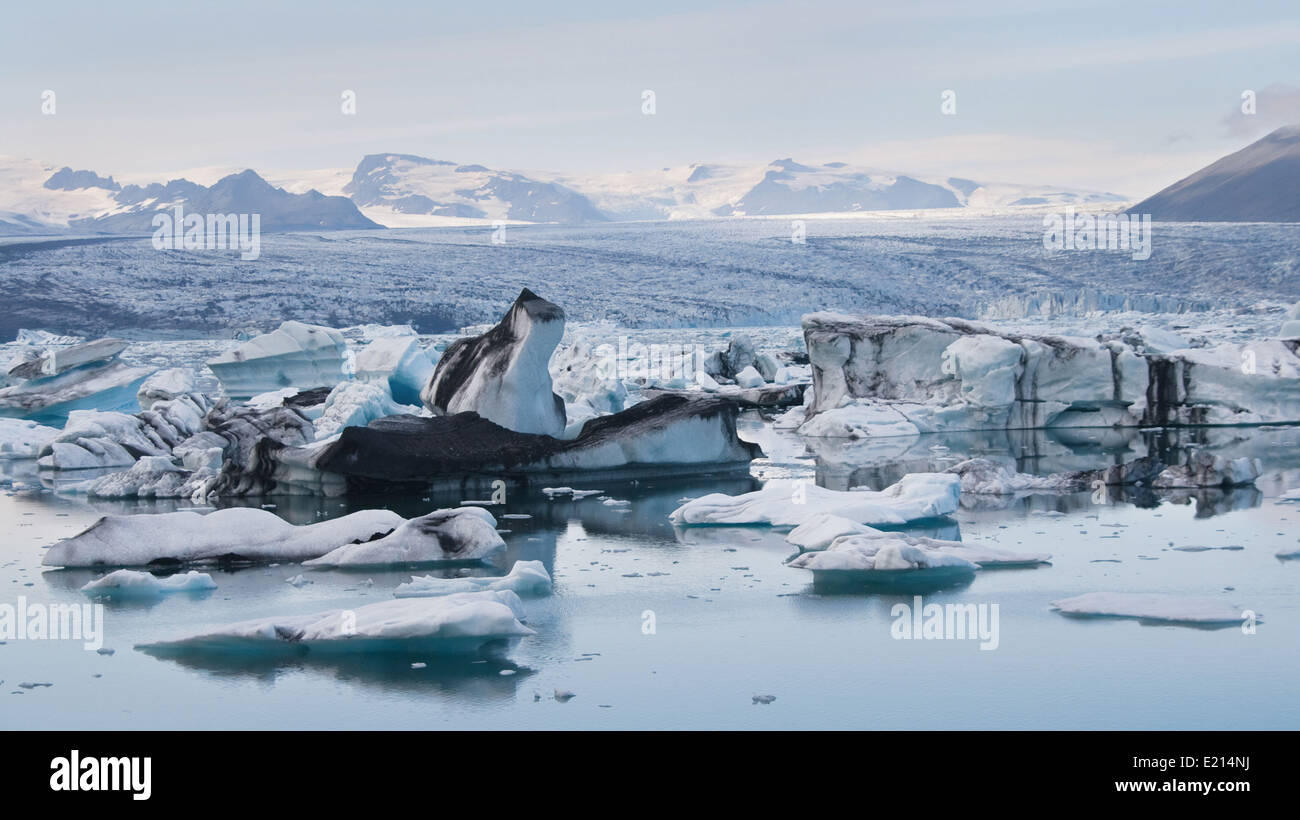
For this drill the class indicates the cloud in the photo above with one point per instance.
(1275, 106)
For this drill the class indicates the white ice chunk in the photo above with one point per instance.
(782, 503)
(1152, 606)
(20, 438)
(818, 531)
(126, 583)
(449, 624)
(356, 404)
(294, 355)
(525, 578)
(399, 363)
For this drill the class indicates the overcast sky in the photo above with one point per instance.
(1117, 96)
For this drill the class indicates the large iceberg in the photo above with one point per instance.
(465, 623)
(903, 375)
(464, 534)
(915, 497)
(503, 374)
(61, 380)
(669, 435)
(294, 355)
(234, 534)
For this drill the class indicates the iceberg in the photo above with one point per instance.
(397, 363)
(525, 578)
(126, 584)
(94, 438)
(21, 438)
(294, 355)
(464, 623)
(503, 375)
(356, 404)
(234, 534)
(150, 477)
(892, 551)
(48, 399)
(1153, 606)
(668, 435)
(166, 385)
(464, 534)
(902, 375)
(915, 497)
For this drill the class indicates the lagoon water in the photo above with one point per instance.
(730, 620)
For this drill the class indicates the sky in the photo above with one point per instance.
(1113, 96)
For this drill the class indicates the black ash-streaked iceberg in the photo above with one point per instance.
(503, 375)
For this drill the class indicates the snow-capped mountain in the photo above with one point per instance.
(785, 186)
(395, 184)
(404, 190)
(34, 198)
(1259, 183)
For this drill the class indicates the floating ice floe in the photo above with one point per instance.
(503, 374)
(457, 624)
(21, 438)
(903, 375)
(294, 355)
(980, 476)
(82, 377)
(882, 551)
(576, 495)
(915, 497)
(125, 583)
(150, 477)
(237, 533)
(397, 363)
(526, 578)
(463, 534)
(1153, 606)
